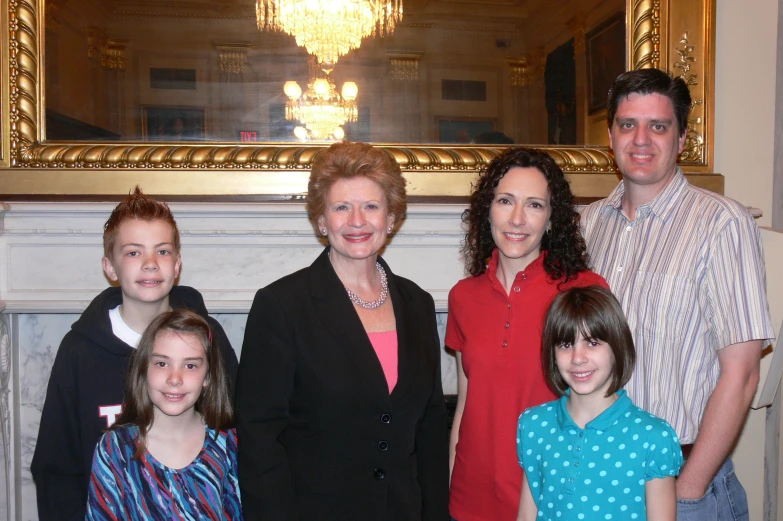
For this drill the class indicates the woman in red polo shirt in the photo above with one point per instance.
(523, 246)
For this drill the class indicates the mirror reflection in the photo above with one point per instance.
(383, 71)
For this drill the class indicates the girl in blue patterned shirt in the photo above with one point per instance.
(172, 452)
(592, 454)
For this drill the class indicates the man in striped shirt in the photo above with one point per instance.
(688, 268)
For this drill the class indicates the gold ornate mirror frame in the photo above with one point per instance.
(670, 34)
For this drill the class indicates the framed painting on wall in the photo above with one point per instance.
(605, 59)
(172, 123)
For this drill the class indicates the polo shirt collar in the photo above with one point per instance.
(662, 206)
(601, 422)
(533, 269)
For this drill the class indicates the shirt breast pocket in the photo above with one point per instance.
(661, 305)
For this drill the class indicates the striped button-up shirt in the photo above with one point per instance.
(689, 273)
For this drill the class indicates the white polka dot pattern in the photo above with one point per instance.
(599, 472)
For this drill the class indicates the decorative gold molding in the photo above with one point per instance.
(227, 168)
(693, 150)
(285, 157)
(644, 34)
(521, 71)
(114, 54)
(233, 57)
(23, 79)
(404, 65)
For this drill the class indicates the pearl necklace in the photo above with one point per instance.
(373, 304)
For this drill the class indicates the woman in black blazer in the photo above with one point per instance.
(340, 410)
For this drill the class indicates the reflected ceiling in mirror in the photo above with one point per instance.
(448, 71)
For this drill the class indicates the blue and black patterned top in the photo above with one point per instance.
(123, 488)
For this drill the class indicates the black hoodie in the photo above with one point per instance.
(84, 395)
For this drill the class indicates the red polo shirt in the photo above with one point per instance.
(499, 336)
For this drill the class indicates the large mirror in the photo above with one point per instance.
(231, 71)
(259, 86)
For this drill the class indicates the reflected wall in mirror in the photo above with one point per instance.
(525, 71)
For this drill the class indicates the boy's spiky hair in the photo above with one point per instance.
(136, 206)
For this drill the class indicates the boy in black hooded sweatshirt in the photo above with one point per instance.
(84, 396)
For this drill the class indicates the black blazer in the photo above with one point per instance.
(320, 438)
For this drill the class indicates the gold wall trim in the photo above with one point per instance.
(285, 157)
(644, 34)
(249, 166)
(22, 79)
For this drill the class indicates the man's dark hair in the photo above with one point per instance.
(651, 81)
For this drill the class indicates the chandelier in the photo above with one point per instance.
(329, 29)
(321, 109)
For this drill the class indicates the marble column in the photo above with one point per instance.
(577, 28)
(232, 102)
(521, 75)
(113, 61)
(403, 95)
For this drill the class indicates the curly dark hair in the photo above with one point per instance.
(565, 246)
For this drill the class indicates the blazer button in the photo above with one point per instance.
(383, 445)
(379, 474)
(385, 418)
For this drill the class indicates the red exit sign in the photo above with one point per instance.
(248, 135)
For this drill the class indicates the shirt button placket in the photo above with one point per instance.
(504, 343)
(573, 470)
(626, 240)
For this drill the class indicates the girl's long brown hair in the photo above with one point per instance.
(213, 404)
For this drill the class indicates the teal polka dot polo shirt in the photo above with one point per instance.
(599, 472)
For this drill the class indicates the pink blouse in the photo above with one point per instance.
(385, 345)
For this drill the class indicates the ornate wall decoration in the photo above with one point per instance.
(521, 71)
(404, 65)
(23, 80)
(644, 31)
(233, 57)
(114, 54)
(693, 149)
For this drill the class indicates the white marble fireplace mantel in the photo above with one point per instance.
(51, 251)
(50, 270)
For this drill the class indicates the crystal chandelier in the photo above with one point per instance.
(329, 29)
(321, 109)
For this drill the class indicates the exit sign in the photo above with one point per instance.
(248, 135)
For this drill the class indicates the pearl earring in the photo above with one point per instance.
(323, 231)
(390, 229)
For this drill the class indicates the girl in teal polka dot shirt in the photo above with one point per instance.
(592, 454)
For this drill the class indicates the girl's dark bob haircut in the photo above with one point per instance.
(594, 313)
(214, 403)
